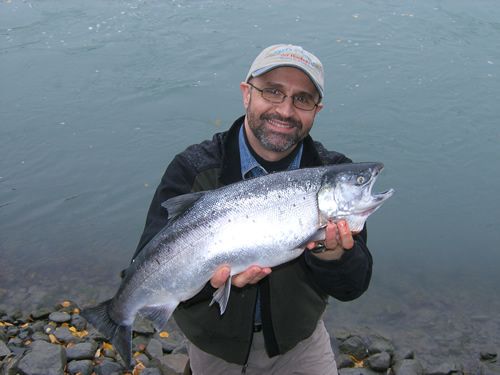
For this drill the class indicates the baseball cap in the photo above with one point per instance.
(279, 55)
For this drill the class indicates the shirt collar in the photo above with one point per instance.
(250, 167)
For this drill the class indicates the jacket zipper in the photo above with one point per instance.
(245, 365)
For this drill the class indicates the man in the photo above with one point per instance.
(273, 322)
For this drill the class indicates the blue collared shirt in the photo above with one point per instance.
(251, 168)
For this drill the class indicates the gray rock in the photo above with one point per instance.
(171, 343)
(39, 336)
(38, 326)
(354, 346)
(108, 368)
(43, 359)
(401, 354)
(143, 326)
(343, 361)
(64, 334)
(84, 350)
(4, 350)
(41, 313)
(154, 349)
(489, 369)
(151, 371)
(141, 358)
(379, 361)
(408, 367)
(9, 365)
(78, 322)
(444, 368)
(60, 317)
(139, 343)
(357, 371)
(379, 344)
(110, 353)
(173, 363)
(488, 354)
(84, 367)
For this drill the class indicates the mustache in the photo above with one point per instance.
(289, 120)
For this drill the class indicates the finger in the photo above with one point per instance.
(250, 276)
(331, 236)
(220, 276)
(345, 235)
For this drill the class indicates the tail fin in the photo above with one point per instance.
(119, 335)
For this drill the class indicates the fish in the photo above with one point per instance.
(264, 221)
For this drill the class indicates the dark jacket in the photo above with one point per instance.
(293, 297)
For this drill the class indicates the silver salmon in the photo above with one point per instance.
(265, 221)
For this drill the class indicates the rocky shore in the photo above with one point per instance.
(57, 341)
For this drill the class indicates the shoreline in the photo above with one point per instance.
(57, 340)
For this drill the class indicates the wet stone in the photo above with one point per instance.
(15, 341)
(78, 322)
(401, 354)
(379, 361)
(141, 358)
(443, 369)
(39, 336)
(110, 353)
(60, 317)
(139, 343)
(43, 359)
(108, 368)
(173, 362)
(85, 350)
(354, 346)
(4, 350)
(12, 331)
(143, 326)
(24, 334)
(357, 371)
(379, 344)
(488, 354)
(84, 367)
(154, 349)
(151, 371)
(408, 367)
(41, 313)
(64, 334)
(38, 326)
(172, 342)
(343, 361)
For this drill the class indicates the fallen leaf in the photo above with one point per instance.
(53, 339)
(164, 334)
(106, 345)
(66, 304)
(25, 325)
(76, 310)
(97, 353)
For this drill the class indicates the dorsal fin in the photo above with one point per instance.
(177, 205)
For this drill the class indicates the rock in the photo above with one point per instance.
(41, 313)
(343, 361)
(379, 344)
(408, 367)
(154, 349)
(9, 365)
(173, 363)
(37, 326)
(151, 371)
(443, 369)
(110, 353)
(78, 322)
(60, 317)
(173, 342)
(379, 361)
(143, 326)
(401, 354)
(487, 354)
(141, 358)
(84, 350)
(489, 369)
(43, 359)
(357, 371)
(95, 335)
(107, 367)
(84, 367)
(64, 334)
(39, 336)
(4, 350)
(354, 346)
(139, 343)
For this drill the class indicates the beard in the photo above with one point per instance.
(270, 139)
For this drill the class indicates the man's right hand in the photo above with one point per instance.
(252, 275)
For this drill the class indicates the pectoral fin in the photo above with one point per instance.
(221, 295)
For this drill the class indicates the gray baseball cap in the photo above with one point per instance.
(279, 55)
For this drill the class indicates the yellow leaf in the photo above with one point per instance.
(97, 353)
(76, 310)
(66, 304)
(106, 345)
(25, 325)
(7, 324)
(73, 329)
(53, 339)
(2, 324)
(65, 325)
(164, 334)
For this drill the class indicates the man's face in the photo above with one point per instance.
(274, 130)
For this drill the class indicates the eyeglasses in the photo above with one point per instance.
(304, 102)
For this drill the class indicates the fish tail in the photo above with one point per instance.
(119, 335)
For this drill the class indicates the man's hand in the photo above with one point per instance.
(252, 275)
(338, 239)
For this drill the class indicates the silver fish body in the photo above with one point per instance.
(264, 221)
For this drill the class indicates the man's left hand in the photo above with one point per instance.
(338, 239)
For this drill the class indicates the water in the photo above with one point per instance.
(97, 97)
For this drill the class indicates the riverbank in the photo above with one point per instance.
(57, 340)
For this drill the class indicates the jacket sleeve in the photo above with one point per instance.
(346, 278)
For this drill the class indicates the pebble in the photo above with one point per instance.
(108, 368)
(84, 367)
(151, 371)
(174, 363)
(354, 346)
(43, 358)
(65, 335)
(41, 313)
(154, 349)
(4, 350)
(379, 361)
(84, 350)
(60, 317)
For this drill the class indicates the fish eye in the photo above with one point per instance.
(360, 180)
